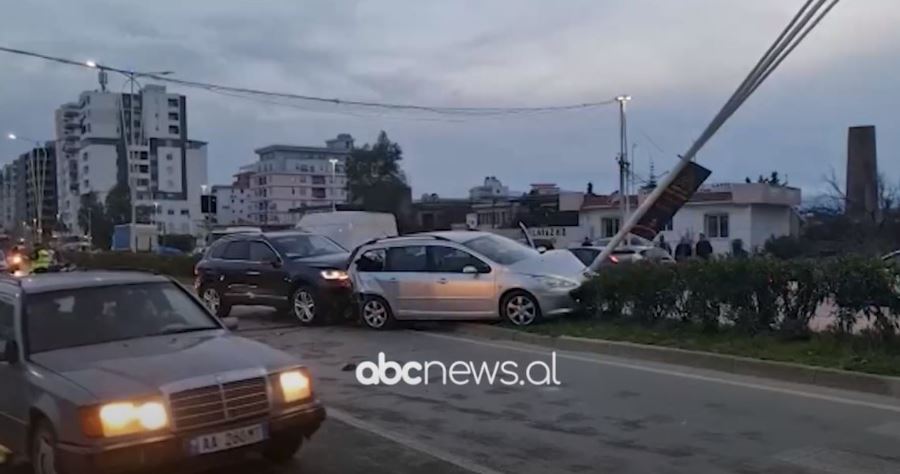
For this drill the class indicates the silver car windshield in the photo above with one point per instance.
(302, 246)
(501, 249)
(85, 316)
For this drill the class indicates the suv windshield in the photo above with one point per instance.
(79, 317)
(501, 249)
(305, 245)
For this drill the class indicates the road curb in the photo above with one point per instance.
(784, 371)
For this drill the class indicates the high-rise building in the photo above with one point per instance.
(141, 140)
(233, 200)
(290, 177)
(28, 195)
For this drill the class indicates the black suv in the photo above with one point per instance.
(300, 272)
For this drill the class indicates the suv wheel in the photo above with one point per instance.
(214, 301)
(304, 306)
(520, 308)
(43, 450)
(376, 313)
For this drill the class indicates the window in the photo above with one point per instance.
(318, 179)
(293, 191)
(173, 102)
(318, 193)
(501, 249)
(306, 245)
(86, 169)
(87, 184)
(144, 168)
(171, 212)
(304, 168)
(609, 226)
(302, 179)
(173, 116)
(185, 212)
(86, 316)
(451, 260)
(406, 259)
(586, 255)
(173, 129)
(260, 252)
(239, 250)
(7, 321)
(168, 157)
(371, 261)
(717, 226)
(84, 156)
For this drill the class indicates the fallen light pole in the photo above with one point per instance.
(809, 16)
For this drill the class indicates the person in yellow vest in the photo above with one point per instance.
(42, 261)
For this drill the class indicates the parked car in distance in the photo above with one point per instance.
(623, 254)
(300, 272)
(128, 372)
(462, 275)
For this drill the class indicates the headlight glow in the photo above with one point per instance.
(15, 259)
(334, 274)
(555, 283)
(295, 386)
(124, 418)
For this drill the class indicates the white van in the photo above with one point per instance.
(350, 228)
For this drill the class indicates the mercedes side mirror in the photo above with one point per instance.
(9, 351)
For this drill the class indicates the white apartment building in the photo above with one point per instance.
(107, 138)
(233, 201)
(751, 212)
(290, 177)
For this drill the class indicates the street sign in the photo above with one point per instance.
(671, 200)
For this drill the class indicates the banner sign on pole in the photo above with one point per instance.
(672, 199)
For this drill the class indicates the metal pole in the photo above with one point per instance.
(131, 181)
(624, 205)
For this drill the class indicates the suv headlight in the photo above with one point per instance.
(334, 274)
(295, 385)
(556, 283)
(125, 418)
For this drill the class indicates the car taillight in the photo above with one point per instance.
(613, 259)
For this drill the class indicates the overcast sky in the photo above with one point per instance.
(680, 60)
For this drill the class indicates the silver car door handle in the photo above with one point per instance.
(252, 273)
(442, 281)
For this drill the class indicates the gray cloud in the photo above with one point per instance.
(679, 60)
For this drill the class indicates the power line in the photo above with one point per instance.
(212, 87)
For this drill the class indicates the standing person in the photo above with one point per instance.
(664, 245)
(683, 249)
(704, 248)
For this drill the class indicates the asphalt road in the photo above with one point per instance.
(608, 415)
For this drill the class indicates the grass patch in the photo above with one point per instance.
(856, 353)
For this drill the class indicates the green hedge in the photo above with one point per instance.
(169, 265)
(750, 296)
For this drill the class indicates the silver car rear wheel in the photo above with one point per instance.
(376, 314)
(521, 309)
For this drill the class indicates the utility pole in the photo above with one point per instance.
(333, 162)
(623, 158)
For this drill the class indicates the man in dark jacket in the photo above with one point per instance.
(683, 250)
(704, 248)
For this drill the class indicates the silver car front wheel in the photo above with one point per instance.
(212, 300)
(43, 451)
(521, 309)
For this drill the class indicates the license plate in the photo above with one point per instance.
(225, 440)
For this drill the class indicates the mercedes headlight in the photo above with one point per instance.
(125, 418)
(556, 283)
(295, 385)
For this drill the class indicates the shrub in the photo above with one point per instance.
(169, 265)
(750, 296)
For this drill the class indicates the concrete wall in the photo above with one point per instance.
(98, 172)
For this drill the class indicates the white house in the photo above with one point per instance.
(751, 212)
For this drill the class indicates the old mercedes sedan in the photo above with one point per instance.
(127, 371)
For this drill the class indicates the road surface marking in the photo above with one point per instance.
(457, 461)
(676, 373)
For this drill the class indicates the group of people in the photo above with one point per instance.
(686, 249)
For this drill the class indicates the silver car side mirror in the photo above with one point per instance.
(470, 269)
